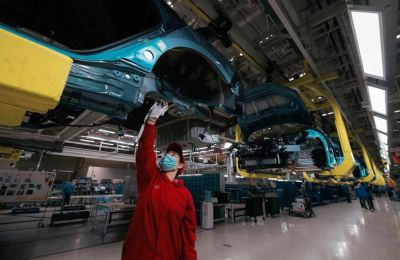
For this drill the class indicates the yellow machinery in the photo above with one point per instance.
(8, 153)
(32, 78)
(379, 180)
(371, 172)
(309, 84)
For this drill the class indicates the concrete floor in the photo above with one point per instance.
(340, 231)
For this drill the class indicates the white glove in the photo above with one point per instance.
(158, 109)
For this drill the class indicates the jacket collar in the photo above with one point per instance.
(177, 182)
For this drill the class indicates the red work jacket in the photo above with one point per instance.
(164, 223)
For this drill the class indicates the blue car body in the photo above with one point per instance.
(116, 78)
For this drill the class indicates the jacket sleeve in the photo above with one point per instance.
(145, 157)
(188, 231)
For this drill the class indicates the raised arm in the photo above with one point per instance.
(146, 157)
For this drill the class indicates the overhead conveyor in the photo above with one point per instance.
(309, 83)
(245, 173)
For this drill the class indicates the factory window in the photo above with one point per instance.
(80, 25)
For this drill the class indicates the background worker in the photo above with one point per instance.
(67, 190)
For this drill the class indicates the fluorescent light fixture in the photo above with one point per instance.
(87, 141)
(202, 148)
(397, 111)
(323, 114)
(106, 131)
(104, 143)
(131, 136)
(108, 140)
(398, 36)
(95, 138)
(367, 27)
(380, 124)
(382, 138)
(227, 145)
(330, 113)
(377, 99)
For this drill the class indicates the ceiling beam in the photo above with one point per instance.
(86, 118)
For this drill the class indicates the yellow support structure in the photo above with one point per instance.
(9, 153)
(32, 77)
(379, 180)
(311, 179)
(308, 82)
(371, 172)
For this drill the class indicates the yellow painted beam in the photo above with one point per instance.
(308, 82)
(32, 77)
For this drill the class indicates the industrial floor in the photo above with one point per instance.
(340, 231)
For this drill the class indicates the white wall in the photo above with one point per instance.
(99, 173)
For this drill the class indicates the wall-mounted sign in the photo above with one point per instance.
(24, 186)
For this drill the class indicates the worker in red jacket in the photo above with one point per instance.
(164, 222)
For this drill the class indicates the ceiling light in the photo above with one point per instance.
(291, 79)
(104, 143)
(169, 3)
(240, 54)
(106, 131)
(312, 100)
(380, 124)
(261, 42)
(108, 140)
(323, 114)
(368, 30)
(95, 138)
(398, 36)
(397, 111)
(319, 97)
(87, 141)
(131, 136)
(377, 99)
(227, 145)
(330, 113)
(383, 138)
